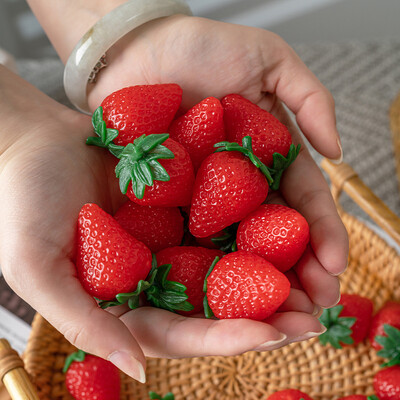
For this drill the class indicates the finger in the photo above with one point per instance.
(306, 97)
(176, 336)
(297, 326)
(304, 188)
(73, 312)
(322, 288)
(297, 301)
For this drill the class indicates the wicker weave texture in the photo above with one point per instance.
(323, 372)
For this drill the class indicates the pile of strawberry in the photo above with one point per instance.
(352, 321)
(195, 234)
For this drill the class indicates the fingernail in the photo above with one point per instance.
(308, 335)
(271, 344)
(317, 311)
(340, 158)
(128, 364)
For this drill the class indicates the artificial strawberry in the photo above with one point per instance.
(229, 185)
(289, 394)
(109, 260)
(199, 129)
(389, 314)
(142, 109)
(177, 189)
(348, 322)
(242, 118)
(91, 378)
(275, 232)
(387, 383)
(157, 227)
(189, 266)
(244, 285)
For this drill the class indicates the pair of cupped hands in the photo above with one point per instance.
(47, 173)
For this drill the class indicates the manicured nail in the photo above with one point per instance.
(128, 364)
(340, 158)
(271, 344)
(308, 335)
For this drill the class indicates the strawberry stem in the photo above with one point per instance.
(156, 396)
(159, 291)
(138, 160)
(78, 356)
(390, 344)
(338, 328)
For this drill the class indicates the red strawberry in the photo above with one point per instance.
(348, 322)
(278, 233)
(199, 129)
(354, 397)
(361, 308)
(157, 227)
(189, 267)
(228, 187)
(242, 117)
(177, 190)
(109, 259)
(142, 109)
(244, 285)
(93, 379)
(389, 314)
(387, 383)
(289, 394)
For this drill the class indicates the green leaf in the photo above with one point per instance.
(95, 141)
(281, 163)
(111, 135)
(390, 345)
(338, 328)
(207, 309)
(247, 150)
(156, 396)
(149, 142)
(78, 356)
(226, 242)
(373, 397)
(115, 150)
(138, 188)
(144, 173)
(158, 171)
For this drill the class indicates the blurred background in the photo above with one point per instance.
(297, 21)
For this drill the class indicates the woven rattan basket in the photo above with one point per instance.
(323, 372)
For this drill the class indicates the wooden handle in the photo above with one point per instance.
(13, 375)
(344, 178)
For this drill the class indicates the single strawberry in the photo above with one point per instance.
(244, 285)
(289, 394)
(89, 377)
(387, 383)
(229, 185)
(157, 227)
(347, 323)
(177, 189)
(189, 266)
(141, 109)
(275, 232)
(199, 129)
(242, 117)
(389, 314)
(358, 397)
(109, 260)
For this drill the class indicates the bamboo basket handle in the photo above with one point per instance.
(344, 178)
(13, 374)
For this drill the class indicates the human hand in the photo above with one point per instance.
(46, 174)
(209, 58)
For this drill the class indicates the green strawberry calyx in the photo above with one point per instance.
(78, 356)
(338, 329)
(159, 291)
(373, 397)
(156, 396)
(207, 309)
(227, 241)
(390, 344)
(280, 163)
(138, 160)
